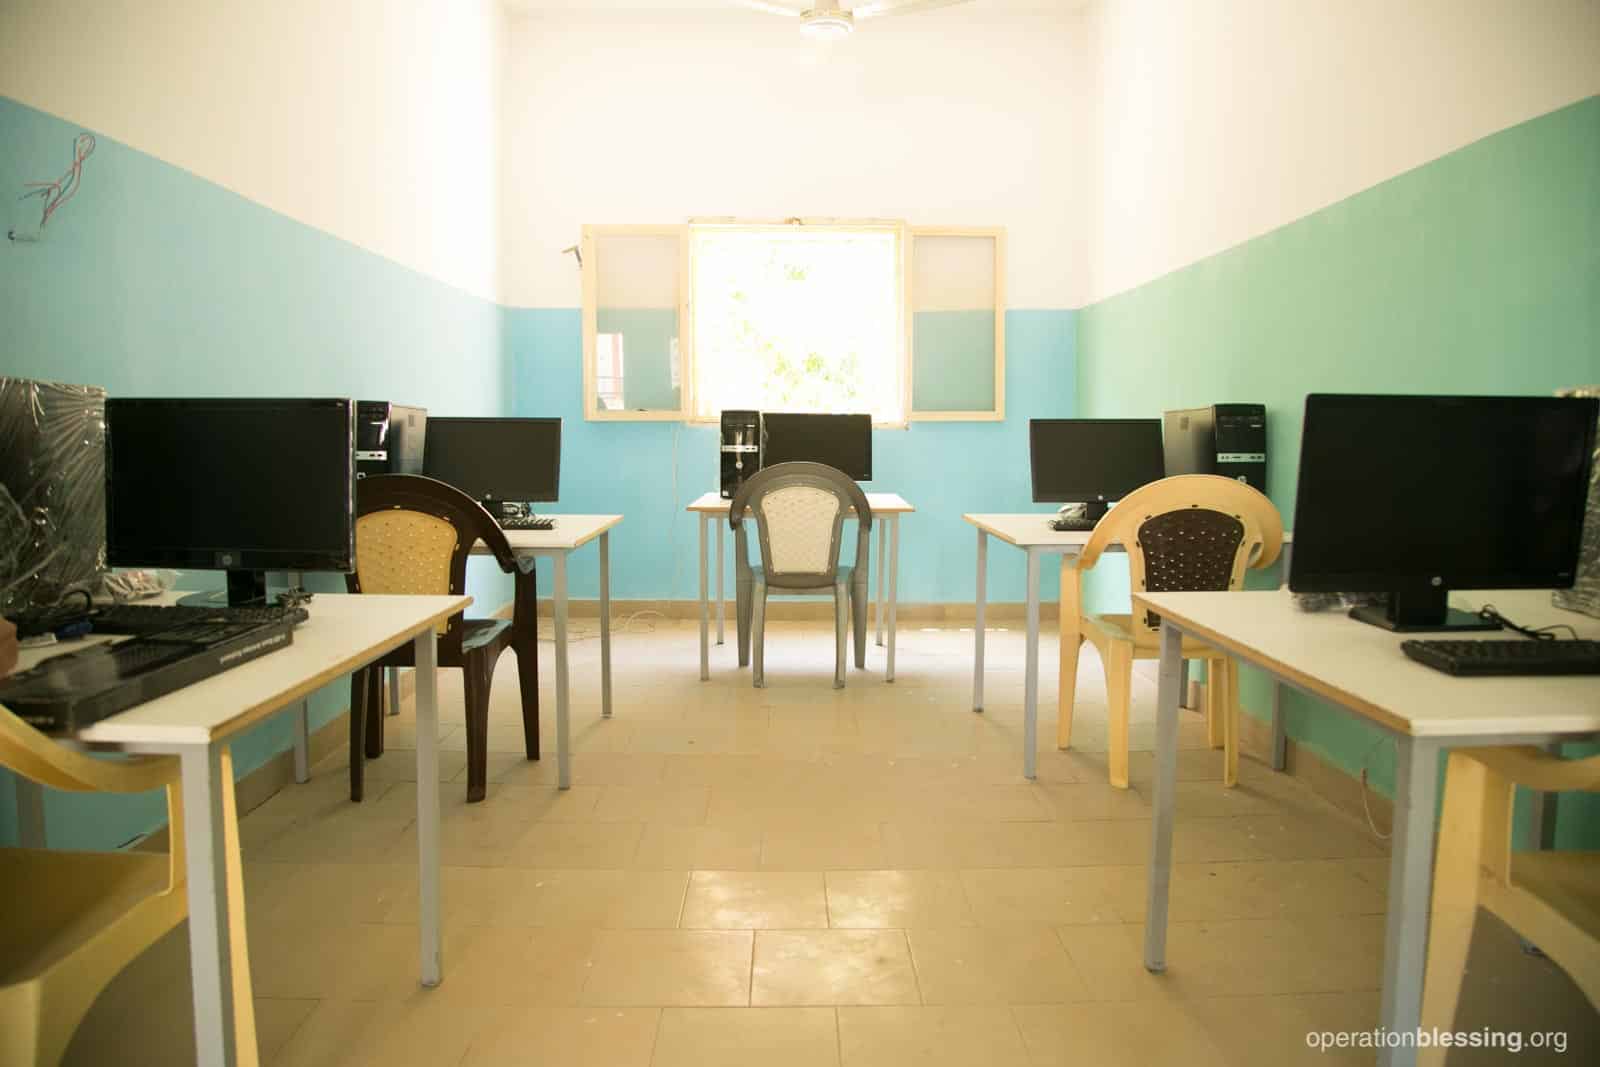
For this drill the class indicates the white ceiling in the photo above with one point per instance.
(1057, 6)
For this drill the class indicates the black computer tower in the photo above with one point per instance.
(740, 449)
(1225, 439)
(389, 438)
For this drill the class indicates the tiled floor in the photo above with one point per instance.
(799, 875)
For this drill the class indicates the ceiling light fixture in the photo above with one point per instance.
(826, 24)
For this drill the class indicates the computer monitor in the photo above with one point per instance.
(843, 442)
(243, 486)
(1092, 461)
(1416, 495)
(496, 461)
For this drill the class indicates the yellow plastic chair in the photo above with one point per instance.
(73, 920)
(1550, 898)
(1191, 533)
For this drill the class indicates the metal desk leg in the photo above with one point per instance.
(881, 537)
(1280, 732)
(30, 813)
(1183, 686)
(563, 749)
(894, 588)
(977, 626)
(210, 946)
(1160, 872)
(722, 598)
(1030, 678)
(302, 742)
(705, 622)
(391, 685)
(426, 656)
(605, 623)
(1405, 939)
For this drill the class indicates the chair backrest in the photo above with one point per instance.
(413, 536)
(800, 510)
(1191, 533)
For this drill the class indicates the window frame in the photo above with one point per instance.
(592, 411)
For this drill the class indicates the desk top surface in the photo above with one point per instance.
(571, 531)
(344, 632)
(886, 503)
(1361, 667)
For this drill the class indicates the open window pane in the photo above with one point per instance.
(635, 349)
(957, 330)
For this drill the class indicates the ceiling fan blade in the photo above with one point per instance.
(771, 9)
(899, 7)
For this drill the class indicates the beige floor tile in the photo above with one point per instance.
(1013, 964)
(1094, 800)
(324, 894)
(579, 846)
(361, 961)
(596, 768)
(610, 898)
(930, 1037)
(1117, 1035)
(675, 968)
(738, 1037)
(573, 1037)
(277, 1021)
(1042, 895)
(1272, 1031)
(896, 899)
(1256, 890)
(832, 967)
(512, 965)
(653, 803)
(985, 803)
(755, 900)
(718, 848)
(823, 844)
(422, 1029)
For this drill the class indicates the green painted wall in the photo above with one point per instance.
(1476, 273)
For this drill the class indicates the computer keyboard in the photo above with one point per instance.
(526, 522)
(1072, 522)
(1508, 657)
(138, 620)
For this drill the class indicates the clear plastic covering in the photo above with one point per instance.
(52, 491)
(1584, 596)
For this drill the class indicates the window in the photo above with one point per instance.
(684, 321)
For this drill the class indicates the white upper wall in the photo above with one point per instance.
(374, 121)
(961, 116)
(1218, 120)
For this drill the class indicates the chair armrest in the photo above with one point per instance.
(48, 762)
(1538, 769)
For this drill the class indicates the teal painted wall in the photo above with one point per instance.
(154, 282)
(650, 471)
(1477, 273)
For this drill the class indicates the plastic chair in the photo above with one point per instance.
(413, 536)
(1550, 898)
(73, 920)
(800, 510)
(1191, 533)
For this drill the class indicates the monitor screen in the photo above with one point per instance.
(1402, 492)
(1086, 460)
(496, 460)
(843, 442)
(231, 484)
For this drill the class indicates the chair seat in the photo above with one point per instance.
(845, 573)
(1120, 628)
(1569, 882)
(480, 633)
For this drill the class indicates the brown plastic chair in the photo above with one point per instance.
(413, 535)
(1191, 533)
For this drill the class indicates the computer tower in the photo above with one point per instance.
(1225, 439)
(740, 449)
(389, 438)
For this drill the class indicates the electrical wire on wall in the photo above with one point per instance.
(54, 195)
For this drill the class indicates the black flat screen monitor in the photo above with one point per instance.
(843, 442)
(496, 461)
(243, 486)
(1417, 495)
(1092, 461)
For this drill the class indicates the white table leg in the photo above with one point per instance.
(563, 731)
(1280, 731)
(894, 588)
(1030, 678)
(426, 657)
(210, 947)
(977, 627)
(881, 538)
(1405, 939)
(605, 622)
(30, 813)
(391, 685)
(301, 725)
(1160, 871)
(705, 622)
(722, 600)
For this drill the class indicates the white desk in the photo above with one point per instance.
(1360, 669)
(197, 722)
(571, 533)
(713, 512)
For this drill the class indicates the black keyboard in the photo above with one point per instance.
(138, 620)
(1480, 658)
(526, 522)
(70, 691)
(1072, 522)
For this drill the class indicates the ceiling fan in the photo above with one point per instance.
(826, 19)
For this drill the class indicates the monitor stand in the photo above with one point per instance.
(245, 588)
(1095, 510)
(1421, 611)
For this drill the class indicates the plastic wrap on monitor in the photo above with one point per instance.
(52, 491)
(1584, 595)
